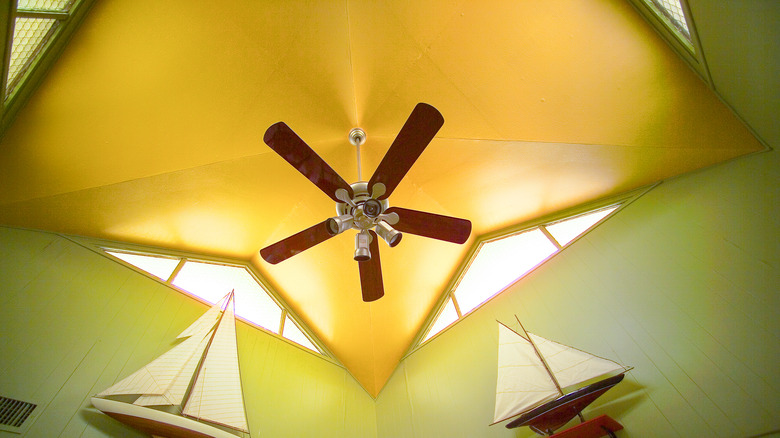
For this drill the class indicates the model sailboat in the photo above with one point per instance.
(546, 383)
(197, 379)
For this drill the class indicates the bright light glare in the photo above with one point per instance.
(160, 267)
(211, 282)
(293, 333)
(567, 230)
(500, 262)
(446, 317)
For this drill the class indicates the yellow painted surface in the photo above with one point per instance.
(149, 130)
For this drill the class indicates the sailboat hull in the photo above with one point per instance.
(158, 423)
(554, 414)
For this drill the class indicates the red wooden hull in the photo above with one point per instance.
(552, 415)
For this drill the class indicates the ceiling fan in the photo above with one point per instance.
(364, 205)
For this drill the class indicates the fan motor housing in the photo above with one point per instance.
(360, 197)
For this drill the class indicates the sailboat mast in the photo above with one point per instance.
(541, 358)
(194, 378)
(546, 366)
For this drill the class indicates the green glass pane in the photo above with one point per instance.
(45, 5)
(30, 34)
(672, 12)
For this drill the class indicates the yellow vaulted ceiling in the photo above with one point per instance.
(149, 128)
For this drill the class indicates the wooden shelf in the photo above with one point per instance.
(597, 427)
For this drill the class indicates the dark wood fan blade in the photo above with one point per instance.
(297, 243)
(295, 151)
(418, 131)
(435, 226)
(371, 273)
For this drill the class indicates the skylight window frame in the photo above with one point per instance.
(487, 241)
(689, 50)
(283, 323)
(684, 35)
(199, 261)
(180, 262)
(458, 315)
(621, 201)
(59, 17)
(46, 55)
(101, 247)
(529, 227)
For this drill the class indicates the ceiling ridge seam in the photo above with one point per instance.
(351, 62)
(125, 181)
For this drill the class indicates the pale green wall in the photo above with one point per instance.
(73, 322)
(682, 284)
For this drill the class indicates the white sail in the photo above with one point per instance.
(140, 382)
(206, 364)
(178, 384)
(206, 321)
(571, 366)
(156, 376)
(216, 394)
(523, 381)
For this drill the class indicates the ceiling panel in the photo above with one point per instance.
(149, 130)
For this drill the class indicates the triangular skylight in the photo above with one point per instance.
(447, 316)
(211, 281)
(46, 5)
(501, 261)
(159, 266)
(293, 333)
(671, 12)
(29, 36)
(35, 23)
(566, 230)
(498, 263)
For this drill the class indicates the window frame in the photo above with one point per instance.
(621, 201)
(690, 51)
(101, 247)
(45, 56)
